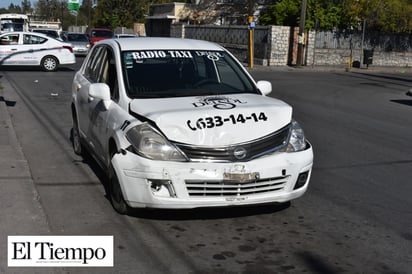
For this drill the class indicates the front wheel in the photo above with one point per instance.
(49, 63)
(116, 195)
(77, 143)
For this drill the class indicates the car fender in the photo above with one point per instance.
(119, 135)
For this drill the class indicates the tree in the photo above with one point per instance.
(26, 7)
(380, 15)
(14, 8)
(116, 13)
(48, 9)
(282, 12)
(324, 15)
(287, 12)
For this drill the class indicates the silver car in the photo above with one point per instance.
(80, 42)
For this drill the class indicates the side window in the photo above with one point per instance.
(92, 70)
(101, 68)
(33, 39)
(11, 39)
(112, 79)
(108, 73)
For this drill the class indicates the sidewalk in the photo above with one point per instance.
(20, 208)
(334, 68)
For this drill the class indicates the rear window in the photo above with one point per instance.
(33, 39)
(173, 73)
(77, 37)
(101, 33)
(50, 33)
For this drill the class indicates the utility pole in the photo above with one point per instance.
(301, 38)
(89, 13)
(251, 24)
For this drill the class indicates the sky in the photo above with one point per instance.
(6, 3)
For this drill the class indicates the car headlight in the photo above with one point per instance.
(149, 143)
(297, 140)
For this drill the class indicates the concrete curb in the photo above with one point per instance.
(338, 68)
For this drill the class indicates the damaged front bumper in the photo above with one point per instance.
(278, 177)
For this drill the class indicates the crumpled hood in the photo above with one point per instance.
(215, 120)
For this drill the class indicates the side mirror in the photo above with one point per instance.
(100, 91)
(265, 87)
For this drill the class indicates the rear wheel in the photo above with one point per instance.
(49, 63)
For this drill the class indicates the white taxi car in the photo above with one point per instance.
(34, 49)
(181, 124)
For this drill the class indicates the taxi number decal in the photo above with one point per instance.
(217, 121)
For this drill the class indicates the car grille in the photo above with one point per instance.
(234, 189)
(249, 150)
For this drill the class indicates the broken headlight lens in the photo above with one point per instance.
(297, 140)
(149, 143)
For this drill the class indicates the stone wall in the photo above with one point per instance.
(277, 45)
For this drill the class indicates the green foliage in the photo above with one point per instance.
(380, 15)
(26, 6)
(14, 8)
(282, 12)
(116, 13)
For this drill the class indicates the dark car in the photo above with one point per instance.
(97, 34)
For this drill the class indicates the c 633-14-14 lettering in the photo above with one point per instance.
(217, 121)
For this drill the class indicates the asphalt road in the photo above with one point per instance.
(356, 216)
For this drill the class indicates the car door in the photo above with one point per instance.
(93, 115)
(35, 48)
(106, 120)
(85, 104)
(10, 50)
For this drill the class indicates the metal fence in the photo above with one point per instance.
(385, 42)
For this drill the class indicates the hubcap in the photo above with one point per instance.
(50, 64)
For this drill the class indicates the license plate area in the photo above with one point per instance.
(240, 177)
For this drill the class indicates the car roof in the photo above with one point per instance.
(28, 32)
(162, 43)
(33, 30)
(100, 29)
(77, 33)
(49, 38)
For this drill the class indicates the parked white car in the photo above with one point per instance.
(181, 124)
(34, 49)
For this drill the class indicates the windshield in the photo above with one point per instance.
(72, 37)
(50, 33)
(173, 73)
(102, 33)
(11, 27)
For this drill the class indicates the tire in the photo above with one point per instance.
(76, 140)
(49, 63)
(116, 195)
